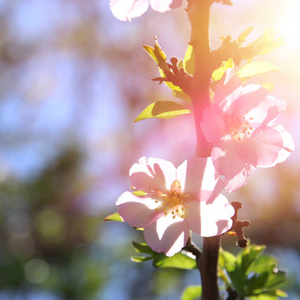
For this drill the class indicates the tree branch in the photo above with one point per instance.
(199, 14)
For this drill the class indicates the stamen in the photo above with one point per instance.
(174, 201)
(238, 125)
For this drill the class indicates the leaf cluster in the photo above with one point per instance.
(180, 260)
(177, 74)
(236, 50)
(251, 274)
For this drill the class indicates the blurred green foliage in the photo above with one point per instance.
(46, 238)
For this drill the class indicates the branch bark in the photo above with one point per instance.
(199, 14)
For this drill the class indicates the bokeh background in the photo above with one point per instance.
(72, 80)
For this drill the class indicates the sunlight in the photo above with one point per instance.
(290, 24)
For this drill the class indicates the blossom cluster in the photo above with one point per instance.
(240, 124)
(241, 128)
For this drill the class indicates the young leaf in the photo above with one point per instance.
(270, 295)
(226, 258)
(266, 43)
(252, 274)
(114, 217)
(268, 85)
(150, 51)
(143, 248)
(256, 282)
(140, 259)
(162, 110)
(256, 68)
(192, 292)
(156, 53)
(280, 293)
(176, 90)
(178, 261)
(158, 56)
(181, 94)
(242, 37)
(246, 258)
(189, 61)
(218, 73)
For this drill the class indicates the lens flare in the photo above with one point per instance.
(290, 24)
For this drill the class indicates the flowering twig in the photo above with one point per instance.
(199, 14)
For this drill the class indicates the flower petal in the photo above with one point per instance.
(228, 163)
(229, 86)
(252, 95)
(288, 144)
(240, 179)
(167, 235)
(152, 174)
(138, 211)
(226, 159)
(196, 174)
(125, 10)
(266, 111)
(212, 123)
(208, 218)
(269, 146)
(164, 5)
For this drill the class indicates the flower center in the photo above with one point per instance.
(239, 126)
(174, 201)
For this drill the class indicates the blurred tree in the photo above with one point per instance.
(46, 238)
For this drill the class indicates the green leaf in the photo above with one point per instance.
(150, 51)
(179, 261)
(280, 293)
(255, 282)
(263, 263)
(162, 110)
(181, 94)
(218, 73)
(226, 258)
(238, 279)
(256, 68)
(143, 248)
(114, 217)
(158, 56)
(269, 263)
(268, 85)
(270, 295)
(242, 37)
(266, 42)
(189, 61)
(263, 297)
(166, 71)
(276, 278)
(249, 256)
(139, 259)
(251, 273)
(192, 292)
(156, 52)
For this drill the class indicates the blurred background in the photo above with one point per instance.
(72, 80)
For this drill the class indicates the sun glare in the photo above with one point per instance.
(290, 24)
